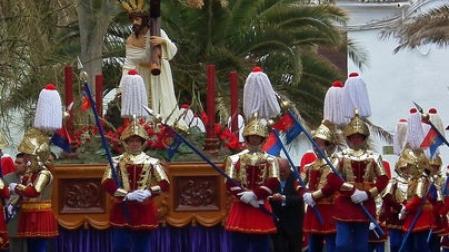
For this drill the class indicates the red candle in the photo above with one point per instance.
(211, 90)
(99, 93)
(68, 93)
(233, 81)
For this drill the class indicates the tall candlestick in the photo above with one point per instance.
(233, 82)
(99, 79)
(211, 143)
(211, 93)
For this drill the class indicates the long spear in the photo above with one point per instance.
(321, 154)
(101, 132)
(415, 220)
(104, 142)
(204, 157)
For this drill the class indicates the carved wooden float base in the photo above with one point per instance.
(197, 196)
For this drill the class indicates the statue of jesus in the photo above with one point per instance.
(160, 87)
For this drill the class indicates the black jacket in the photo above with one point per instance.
(291, 215)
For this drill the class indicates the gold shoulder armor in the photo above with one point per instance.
(422, 186)
(152, 160)
(159, 172)
(108, 172)
(389, 189)
(335, 160)
(380, 169)
(304, 173)
(230, 163)
(42, 180)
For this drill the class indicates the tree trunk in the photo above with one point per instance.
(94, 19)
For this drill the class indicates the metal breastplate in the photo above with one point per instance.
(135, 172)
(400, 192)
(358, 167)
(253, 169)
(417, 186)
(317, 174)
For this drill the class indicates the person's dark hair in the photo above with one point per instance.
(145, 23)
(20, 155)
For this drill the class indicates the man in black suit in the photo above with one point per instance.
(288, 207)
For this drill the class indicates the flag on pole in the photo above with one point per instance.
(61, 138)
(432, 140)
(288, 125)
(272, 145)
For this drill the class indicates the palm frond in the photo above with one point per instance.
(431, 27)
(380, 132)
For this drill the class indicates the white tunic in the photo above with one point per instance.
(160, 88)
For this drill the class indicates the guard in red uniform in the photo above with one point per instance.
(376, 241)
(365, 178)
(255, 176)
(444, 211)
(133, 213)
(436, 198)
(314, 172)
(37, 222)
(4, 193)
(417, 166)
(393, 196)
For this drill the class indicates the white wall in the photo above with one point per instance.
(395, 80)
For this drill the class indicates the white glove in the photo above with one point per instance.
(138, 195)
(308, 199)
(11, 210)
(402, 213)
(145, 194)
(372, 226)
(132, 196)
(12, 187)
(359, 196)
(247, 197)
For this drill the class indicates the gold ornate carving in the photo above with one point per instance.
(82, 196)
(197, 193)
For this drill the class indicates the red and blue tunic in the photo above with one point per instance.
(135, 172)
(362, 170)
(36, 219)
(258, 172)
(314, 172)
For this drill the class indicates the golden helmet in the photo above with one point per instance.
(256, 127)
(436, 161)
(412, 162)
(324, 132)
(35, 143)
(134, 129)
(356, 126)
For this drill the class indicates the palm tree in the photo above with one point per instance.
(281, 36)
(32, 54)
(431, 27)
